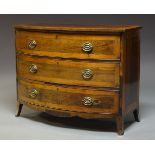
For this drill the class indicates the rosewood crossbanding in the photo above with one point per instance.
(85, 71)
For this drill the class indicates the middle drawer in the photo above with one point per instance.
(83, 73)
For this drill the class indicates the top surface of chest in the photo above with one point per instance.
(78, 28)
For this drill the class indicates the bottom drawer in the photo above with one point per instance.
(68, 98)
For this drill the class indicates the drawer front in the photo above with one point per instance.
(68, 98)
(69, 72)
(69, 45)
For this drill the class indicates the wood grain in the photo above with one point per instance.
(115, 62)
(69, 98)
(69, 45)
(79, 28)
(132, 71)
(68, 72)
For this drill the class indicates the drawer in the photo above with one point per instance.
(69, 45)
(82, 73)
(68, 98)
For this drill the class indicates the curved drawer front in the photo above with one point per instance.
(68, 98)
(68, 45)
(68, 72)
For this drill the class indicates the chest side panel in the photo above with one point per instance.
(132, 69)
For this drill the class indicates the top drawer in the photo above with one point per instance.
(69, 45)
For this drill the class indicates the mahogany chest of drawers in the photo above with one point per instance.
(90, 72)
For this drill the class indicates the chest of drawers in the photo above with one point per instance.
(90, 72)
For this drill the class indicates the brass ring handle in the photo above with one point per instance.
(88, 101)
(33, 93)
(32, 44)
(33, 68)
(87, 47)
(87, 74)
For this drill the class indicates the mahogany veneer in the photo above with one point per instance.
(85, 71)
